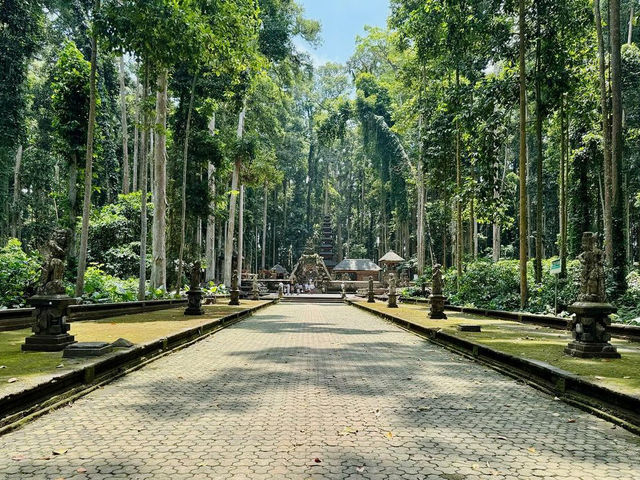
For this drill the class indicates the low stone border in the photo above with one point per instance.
(21, 407)
(18, 318)
(621, 330)
(613, 406)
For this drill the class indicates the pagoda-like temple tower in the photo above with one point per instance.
(327, 243)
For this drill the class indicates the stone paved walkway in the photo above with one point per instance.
(317, 391)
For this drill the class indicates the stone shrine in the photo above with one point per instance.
(392, 302)
(51, 304)
(437, 299)
(195, 293)
(591, 312)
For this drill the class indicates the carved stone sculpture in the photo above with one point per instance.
(370, 293)
(591, 312)
(437, 300)
(195, 294)
(51, 304)
(235, 292)
(393, 296)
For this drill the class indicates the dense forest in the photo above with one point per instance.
(484, 135)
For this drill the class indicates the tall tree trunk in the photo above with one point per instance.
(125, 133)
(606, 135)
(617, 204)
(539, 159)
(135, 138)
(263, 260)
(211, 218)
(228, 248)
(523, 156)
(459, 233)
(88, 171)
(142, 279)
(630, 29)
(241, 232)
(563, 191)
(16, 193)
(73, 190)
(420, 209)
(185, 162)
(274, 235)
(159, 240)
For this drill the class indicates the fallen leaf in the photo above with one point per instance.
(81, 470)
(389, 435)
(3, 366)
(317, 460)
(347, 431)
(475, 466)
(599, 377)
(422, 409)
(60, 451)
(18, 458)
(12, 380)
(555, 414)
(531, 450)
(556, 398)
(571, 420)
(203, 464)
(501, 438)
(626, 377)
(360, 469)
(60, 366)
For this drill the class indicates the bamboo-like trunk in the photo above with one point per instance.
(264, 228)
(211, 218)
(185, 162)
(16, 193)
(136, 135)
(459, 233)
(125, 133)
(539, 160)
(228, 248)
(523, 155)
(88, 171)
(241, 232)
(159, 241)
(142, 279)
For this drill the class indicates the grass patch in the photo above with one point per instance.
(536, 343)
(29, 367)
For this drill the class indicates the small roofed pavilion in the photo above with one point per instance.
(358, 269)
(278, 271)
(390, 260)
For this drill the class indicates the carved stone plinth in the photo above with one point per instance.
(50, 324)
(436, 311)
(194, 307)
(235, 291)
(392, 302)
(589, 331)
(255, 290)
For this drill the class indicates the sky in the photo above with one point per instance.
(341, 21)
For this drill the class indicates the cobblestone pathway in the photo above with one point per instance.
(318, 391)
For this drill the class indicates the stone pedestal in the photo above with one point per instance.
(436, 311)
(589, 331)
(392, 302)
(194, 307)
(87, 349)
(371, 297)
(50, 330)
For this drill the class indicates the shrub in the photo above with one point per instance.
(19, 274)
(101, 287)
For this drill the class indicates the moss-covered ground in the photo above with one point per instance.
(30, 367)
(534, 342)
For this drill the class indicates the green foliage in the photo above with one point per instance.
(19, 274)
(114, 235)
(629, 303)
(100, 287)
(496, 286)
(70, 99)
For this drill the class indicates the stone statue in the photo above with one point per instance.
(195, 276)
(393, 297)
(53, 268)
(235, 292)
(592, 288)
(255, 289)
(234, 280)
(590, 321)
(437, 283)
(370, 294)
(343, 290)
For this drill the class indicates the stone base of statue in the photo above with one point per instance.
(371, 297)
(255, 295)
(436, 311)
(392, 302)
(235, 297)
(50, 330)
(194, 307)
(589, 330)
